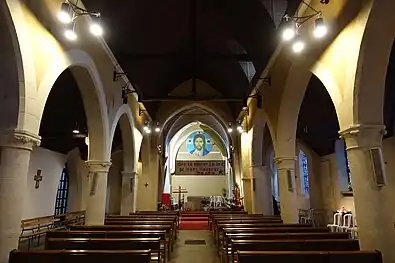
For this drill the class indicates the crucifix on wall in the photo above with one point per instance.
(38, 178)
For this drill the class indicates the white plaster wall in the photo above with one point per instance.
(78, 182)
(114, 185)
(333, 176)
(201, 185)
(41, 202)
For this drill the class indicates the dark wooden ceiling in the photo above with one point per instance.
(161, 44)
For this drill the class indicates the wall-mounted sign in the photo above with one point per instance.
(200, 167)
(199, 143)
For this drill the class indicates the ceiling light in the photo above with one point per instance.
(230, 130)
(69, 33)
(76, 131)
(298, 46)
(95, 27)
(157, 129)
(320, 29)
(288, 34)
(148, 131)
(240, 128)
(64, 15)
(145, 128)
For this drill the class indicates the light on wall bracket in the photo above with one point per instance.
(68, 14)
(293, 24)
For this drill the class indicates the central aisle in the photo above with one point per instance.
(194, 253)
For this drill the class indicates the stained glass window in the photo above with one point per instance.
(62, 193)
(348, 171)
(304, 173)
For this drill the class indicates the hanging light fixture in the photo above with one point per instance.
(289, 31)
(293, 24)
(69, 32)
(157, 128)
(298, 45)
(95, 27)
(230, 129)
(320, 29)
(68, 14)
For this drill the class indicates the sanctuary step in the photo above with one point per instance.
(194, 220)
(194, 216)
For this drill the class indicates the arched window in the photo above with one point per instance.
(304, 173)
(348, 170)
(62, 194)
(273, 169)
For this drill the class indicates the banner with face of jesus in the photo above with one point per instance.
(199, 143)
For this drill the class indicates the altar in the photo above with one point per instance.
(194, 203)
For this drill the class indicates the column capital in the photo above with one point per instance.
(98, 166)
(20, 139)
(285, 162)
(363, 135)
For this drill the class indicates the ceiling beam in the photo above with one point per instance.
(185, 56)
(192, 98)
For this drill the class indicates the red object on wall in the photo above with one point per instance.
(166, 199)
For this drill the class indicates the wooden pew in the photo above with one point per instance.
(172, 226)
(265, 229)
(226, 248)
(293, 245)
(246, 218)
(230, 212)
(218, 231)
(257, 221)
(80, 256)
(152, 244)
(309, 256)
(143, 216)
(127, 228)
(114, 234)
(167, 212)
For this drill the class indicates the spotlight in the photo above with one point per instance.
(148, 131)
(320, 29)
(64, 13)
(240, 128)
(70, 33)
(146, 128)
(289, 30)
(95, 27)
(298, 46)
(76, 131)
(230, 130)
(157, 129)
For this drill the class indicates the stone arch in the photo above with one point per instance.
(125, 119)
(21, 64)
(207, 108)
(92, 92)
(261, 122)
(375, 51)
(285, 136)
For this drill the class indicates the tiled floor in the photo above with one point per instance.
(194, 253)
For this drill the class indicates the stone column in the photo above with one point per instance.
(128, 191)
(286, 183)
(148, 180)
(263, 200)
(372, 206)
(96, 203)
(14, 165)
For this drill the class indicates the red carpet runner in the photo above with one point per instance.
(194, 221)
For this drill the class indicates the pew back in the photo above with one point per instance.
(80, 256)
(309, 256)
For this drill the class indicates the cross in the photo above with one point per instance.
(38, 178)
(179, 192)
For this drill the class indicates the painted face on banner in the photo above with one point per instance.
(199, 143)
